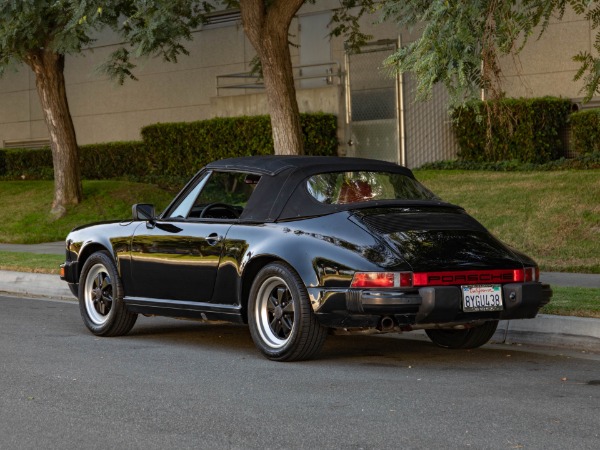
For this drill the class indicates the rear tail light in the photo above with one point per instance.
(381, 280)
(448, 278)
(531, 273)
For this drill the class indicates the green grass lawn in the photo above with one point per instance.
(25, 219)
(28, 262)
(570, 301)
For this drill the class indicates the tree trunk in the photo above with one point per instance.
(267, 29)
(50, 82)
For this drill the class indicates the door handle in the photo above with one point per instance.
(213, 239)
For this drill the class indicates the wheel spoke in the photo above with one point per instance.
(281, 293)
(98, 282)
(274, 324)
(106, 281)
(271, 303)
(286, 324)
(289, 308)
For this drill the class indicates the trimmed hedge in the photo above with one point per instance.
(20, 163)
(585, 131)
(114, 160)
(179, 149)
(98, 161)
(536, 124)
(173, 151)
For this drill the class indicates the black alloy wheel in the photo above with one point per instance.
(282, 323)
(101, 297)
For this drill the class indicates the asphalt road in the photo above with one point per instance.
(182, 384)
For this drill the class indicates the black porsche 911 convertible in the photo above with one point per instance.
(296, 246)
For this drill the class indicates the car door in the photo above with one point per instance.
(176, 257)
(176, 260)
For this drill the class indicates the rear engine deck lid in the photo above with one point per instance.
(438, 238)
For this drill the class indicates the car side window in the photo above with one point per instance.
(182, 210)
(221, 195)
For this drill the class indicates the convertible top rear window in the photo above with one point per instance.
(339, 188)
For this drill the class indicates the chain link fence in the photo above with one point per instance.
(428, 129)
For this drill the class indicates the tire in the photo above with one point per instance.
(465, 339)
(101, 297)
(282, 323)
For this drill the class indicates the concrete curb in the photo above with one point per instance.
(34, 284)
(549, 330)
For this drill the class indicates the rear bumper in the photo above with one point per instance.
(428, 305)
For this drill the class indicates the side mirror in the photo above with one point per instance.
(143, 211)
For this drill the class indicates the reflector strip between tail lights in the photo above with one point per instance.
(445, 278)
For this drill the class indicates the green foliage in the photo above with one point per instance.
(462, 42)
(589, 70)
(26, 163)
(98, 161)
(171, 152)
(155, 28)
(180, 149)
(114, 160)
(60, 26)
(585, 131)
(529, 133)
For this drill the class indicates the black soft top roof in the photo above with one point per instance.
(310, 165)
(281, 193)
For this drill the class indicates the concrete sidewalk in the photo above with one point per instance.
(548, 330)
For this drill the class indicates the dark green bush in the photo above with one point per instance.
(529, 132)
(2, 162)
(98, 161)
(180, 149)
(114, 160)
(585, 131)
(28, 164)
(171, 152)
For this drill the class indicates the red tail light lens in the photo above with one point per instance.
(382, 279)
(373, 279)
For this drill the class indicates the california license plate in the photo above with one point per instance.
(482, 298)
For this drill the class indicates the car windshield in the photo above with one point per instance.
(338, 188)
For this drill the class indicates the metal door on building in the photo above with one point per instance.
(372, 104)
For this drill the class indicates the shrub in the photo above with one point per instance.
(114, 160)
(179, 149)
(585, 131)
(22, 163)
(171, 152)
(530, 132)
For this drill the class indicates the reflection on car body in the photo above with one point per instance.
(296, 246)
